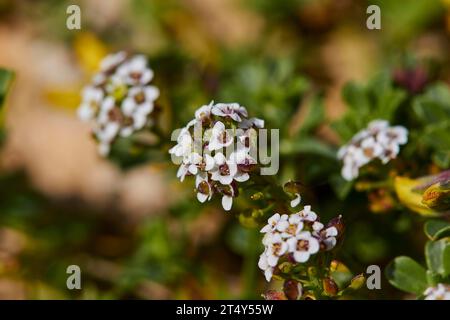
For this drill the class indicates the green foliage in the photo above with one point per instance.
(406, 274)
(437, 229)
(6, 78)
(379, 99)
(432, 111)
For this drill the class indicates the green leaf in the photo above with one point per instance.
(406, 274)
(436, 229)
(437, 254)
(307, 146)
(6, 78)
(315, 115)
(434, 105)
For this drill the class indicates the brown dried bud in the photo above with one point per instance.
(292, 289)
(274, 295)
(338, 224)
(330, 287)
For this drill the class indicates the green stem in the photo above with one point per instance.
(250, 265)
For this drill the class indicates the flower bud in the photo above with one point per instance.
(357, 282)
(292, 187)
(338, 224)
(330, 287)
(437, 197)
(292, 289)
(274, 295)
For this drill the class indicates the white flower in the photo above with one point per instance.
(377, 141)
(184, 145)
(220, 137)
(370, 149)
(91, 101)
(204, 111)
(276, 222)
(377, 125)
(204, 188)
(119, 101)
(440, 292)
(224, 170)
(302, 246)
(135, 72)
(276, 248)
(263, 264)
(231, 110)
(252, 122)
(294, 227)
(327, 236)
(140, 98)
(307, 214)
(111, 61)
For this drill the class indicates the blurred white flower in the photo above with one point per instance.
(377, 141)
(119, 101)
(231, 110)
(440, 292)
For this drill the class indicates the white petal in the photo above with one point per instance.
(268, 274)
(295, 202)
(301, 256)
(241, 177)
(227, 202)
(202, 197)
(313, 245)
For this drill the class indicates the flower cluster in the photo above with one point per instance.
(217, 148)
(296, 236)
(119, 100)
(378, 140)
(440, 292)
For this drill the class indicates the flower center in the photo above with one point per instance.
(224, 170)
(368, 152)
(302, 245)
(139, 98)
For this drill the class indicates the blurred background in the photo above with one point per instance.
(135, 231)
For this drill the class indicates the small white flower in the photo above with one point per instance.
(276, 248)
(135, 72)
(231, 110)
(252, 122)
(140, 98)
(377, 125)
(224, 170)
(276, 222)
(184, 145)
(370, 149)
(294, 227)
(440, 292)
(111, 61)
(377, 141)
(303, 246)
(307, 215)
(91, 101)
(263, 264)
(204, 111)
(220, 137)
(204, 188)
